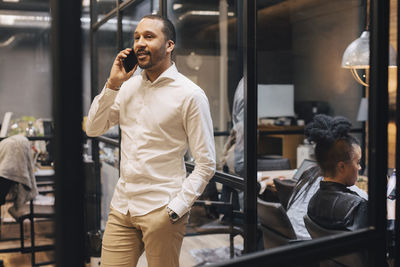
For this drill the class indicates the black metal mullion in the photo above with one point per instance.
(66, 43)
(125, 4)
(119, 47)
(397, 155)
(119, 27)
(94, 85)
(163, 8)
(94, 71)
(96, 25)
(239, 38)
(32, 230)
(250, 125)
(378, 121)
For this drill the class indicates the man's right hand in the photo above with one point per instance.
(118, 74)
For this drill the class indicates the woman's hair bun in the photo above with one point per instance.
(325, 129)
(341, 126)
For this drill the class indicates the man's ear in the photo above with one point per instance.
(170, 45)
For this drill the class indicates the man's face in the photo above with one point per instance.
(150, 45)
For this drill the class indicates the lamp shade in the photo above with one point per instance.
(356, 54)
(363, 110)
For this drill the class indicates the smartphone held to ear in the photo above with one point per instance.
(129, 62)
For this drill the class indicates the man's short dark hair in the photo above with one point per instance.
(168, 29)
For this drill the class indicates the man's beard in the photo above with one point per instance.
(153, 58)
(147, 65)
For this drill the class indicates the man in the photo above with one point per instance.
(234, 149)
(238, 124)
(161, 114)
(233, 155)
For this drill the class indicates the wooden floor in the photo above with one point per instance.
(10, 233)
(45, 229)
(197, 242)
(9, 230)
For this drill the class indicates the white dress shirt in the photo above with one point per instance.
(159, 121)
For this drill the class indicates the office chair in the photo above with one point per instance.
(217, 226)
(284, 188)
(16, 165)
(272, 163)
(275, 224)
(31, 212)
(358, 259)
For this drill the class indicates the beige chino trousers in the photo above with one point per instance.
(125, 238)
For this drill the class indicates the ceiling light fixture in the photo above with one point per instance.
(356, 56)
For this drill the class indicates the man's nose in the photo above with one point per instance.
(140, 42)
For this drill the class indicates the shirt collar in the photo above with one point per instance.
(333, 186)
(170, 73)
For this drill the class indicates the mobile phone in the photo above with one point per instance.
(130, 61)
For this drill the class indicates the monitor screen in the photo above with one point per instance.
(275, 100)
(305, 165)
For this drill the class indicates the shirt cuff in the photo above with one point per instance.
(109, 92)
(178, 207)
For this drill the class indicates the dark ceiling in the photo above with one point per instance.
(197, 30)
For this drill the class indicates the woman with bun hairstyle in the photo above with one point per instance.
(338, 155)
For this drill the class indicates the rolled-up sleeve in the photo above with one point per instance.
(199, 130)
(103, 113)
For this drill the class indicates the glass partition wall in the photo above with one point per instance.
(25, 99)
(289, 54)
(206, 52)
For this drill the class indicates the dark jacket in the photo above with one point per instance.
(335, 207)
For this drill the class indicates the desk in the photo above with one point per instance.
(44, 172)
(362, 183)
(280, 140)
(45, 180)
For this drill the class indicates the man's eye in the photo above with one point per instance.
(149, 36)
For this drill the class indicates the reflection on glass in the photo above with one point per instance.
(299, 47)
(107, 50)
(334, 205)
(25, 64)
(130, 19)
(206, 52)
(109, 174)
(104, 7)
(303, 49)
(109, 155)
